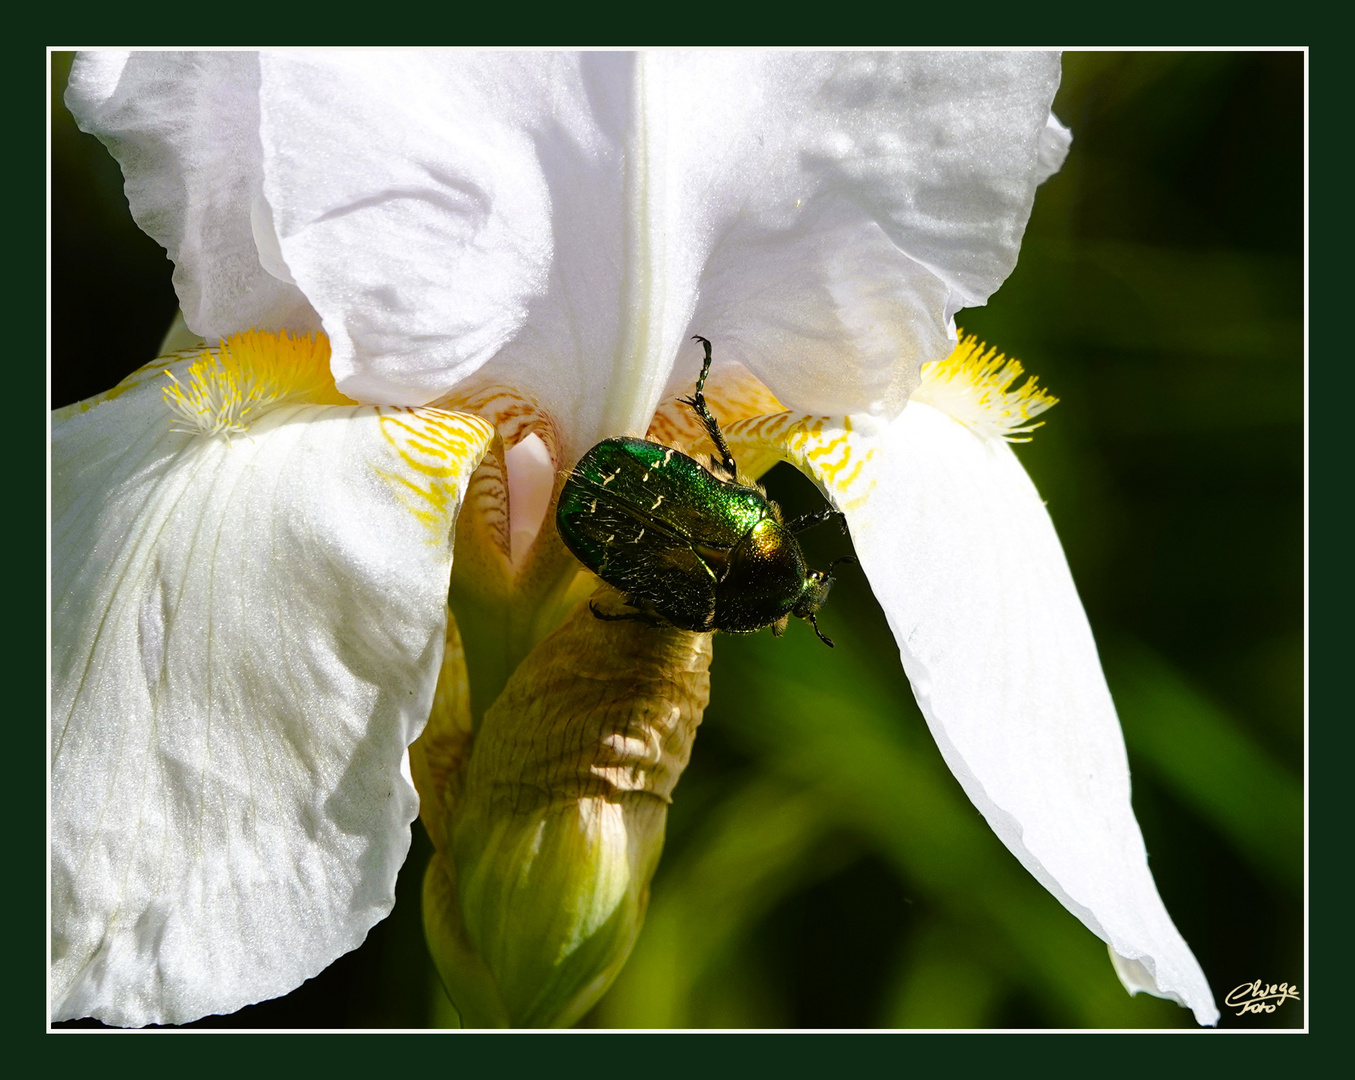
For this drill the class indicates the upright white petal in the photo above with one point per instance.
(854, 202)
(565, 221)
(185, 129)
(246, 633)
(962, 556)
(561, 223)
(412, 204)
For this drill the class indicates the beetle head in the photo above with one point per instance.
(816, 588)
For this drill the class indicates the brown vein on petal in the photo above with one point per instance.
(512, 413)
(482, 536)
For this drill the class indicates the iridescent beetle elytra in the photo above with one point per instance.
(692, 547)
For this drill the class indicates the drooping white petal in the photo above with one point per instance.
(246, 637)
(961, 554)
(185, 129)
(561, 223)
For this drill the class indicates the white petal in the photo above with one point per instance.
(185, 129)
(561, 223)
(1054, 143)
(411, 204)
(565, 222)
(246, 637)
(854, 201)
(963, 558)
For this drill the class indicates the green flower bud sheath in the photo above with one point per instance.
(553, 815)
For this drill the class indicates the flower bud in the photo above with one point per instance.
(555, 827)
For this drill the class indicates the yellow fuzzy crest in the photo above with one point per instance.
(229, 387)
(973, 385)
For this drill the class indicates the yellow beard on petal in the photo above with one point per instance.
(972, 386)
(226, 389)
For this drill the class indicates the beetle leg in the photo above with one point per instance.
(698, 402)
(808, 521)
(633, 616)
(822, 636)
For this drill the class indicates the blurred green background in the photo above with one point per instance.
(823, 869)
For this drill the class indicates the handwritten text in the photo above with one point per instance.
(1259, 997)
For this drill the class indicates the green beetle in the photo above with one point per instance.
(689, 546)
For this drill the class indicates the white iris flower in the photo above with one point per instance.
(437, 279)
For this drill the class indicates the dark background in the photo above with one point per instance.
(823, 869)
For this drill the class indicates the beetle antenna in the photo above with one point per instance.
(822, 636)
(698, 403)
(845, 559)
